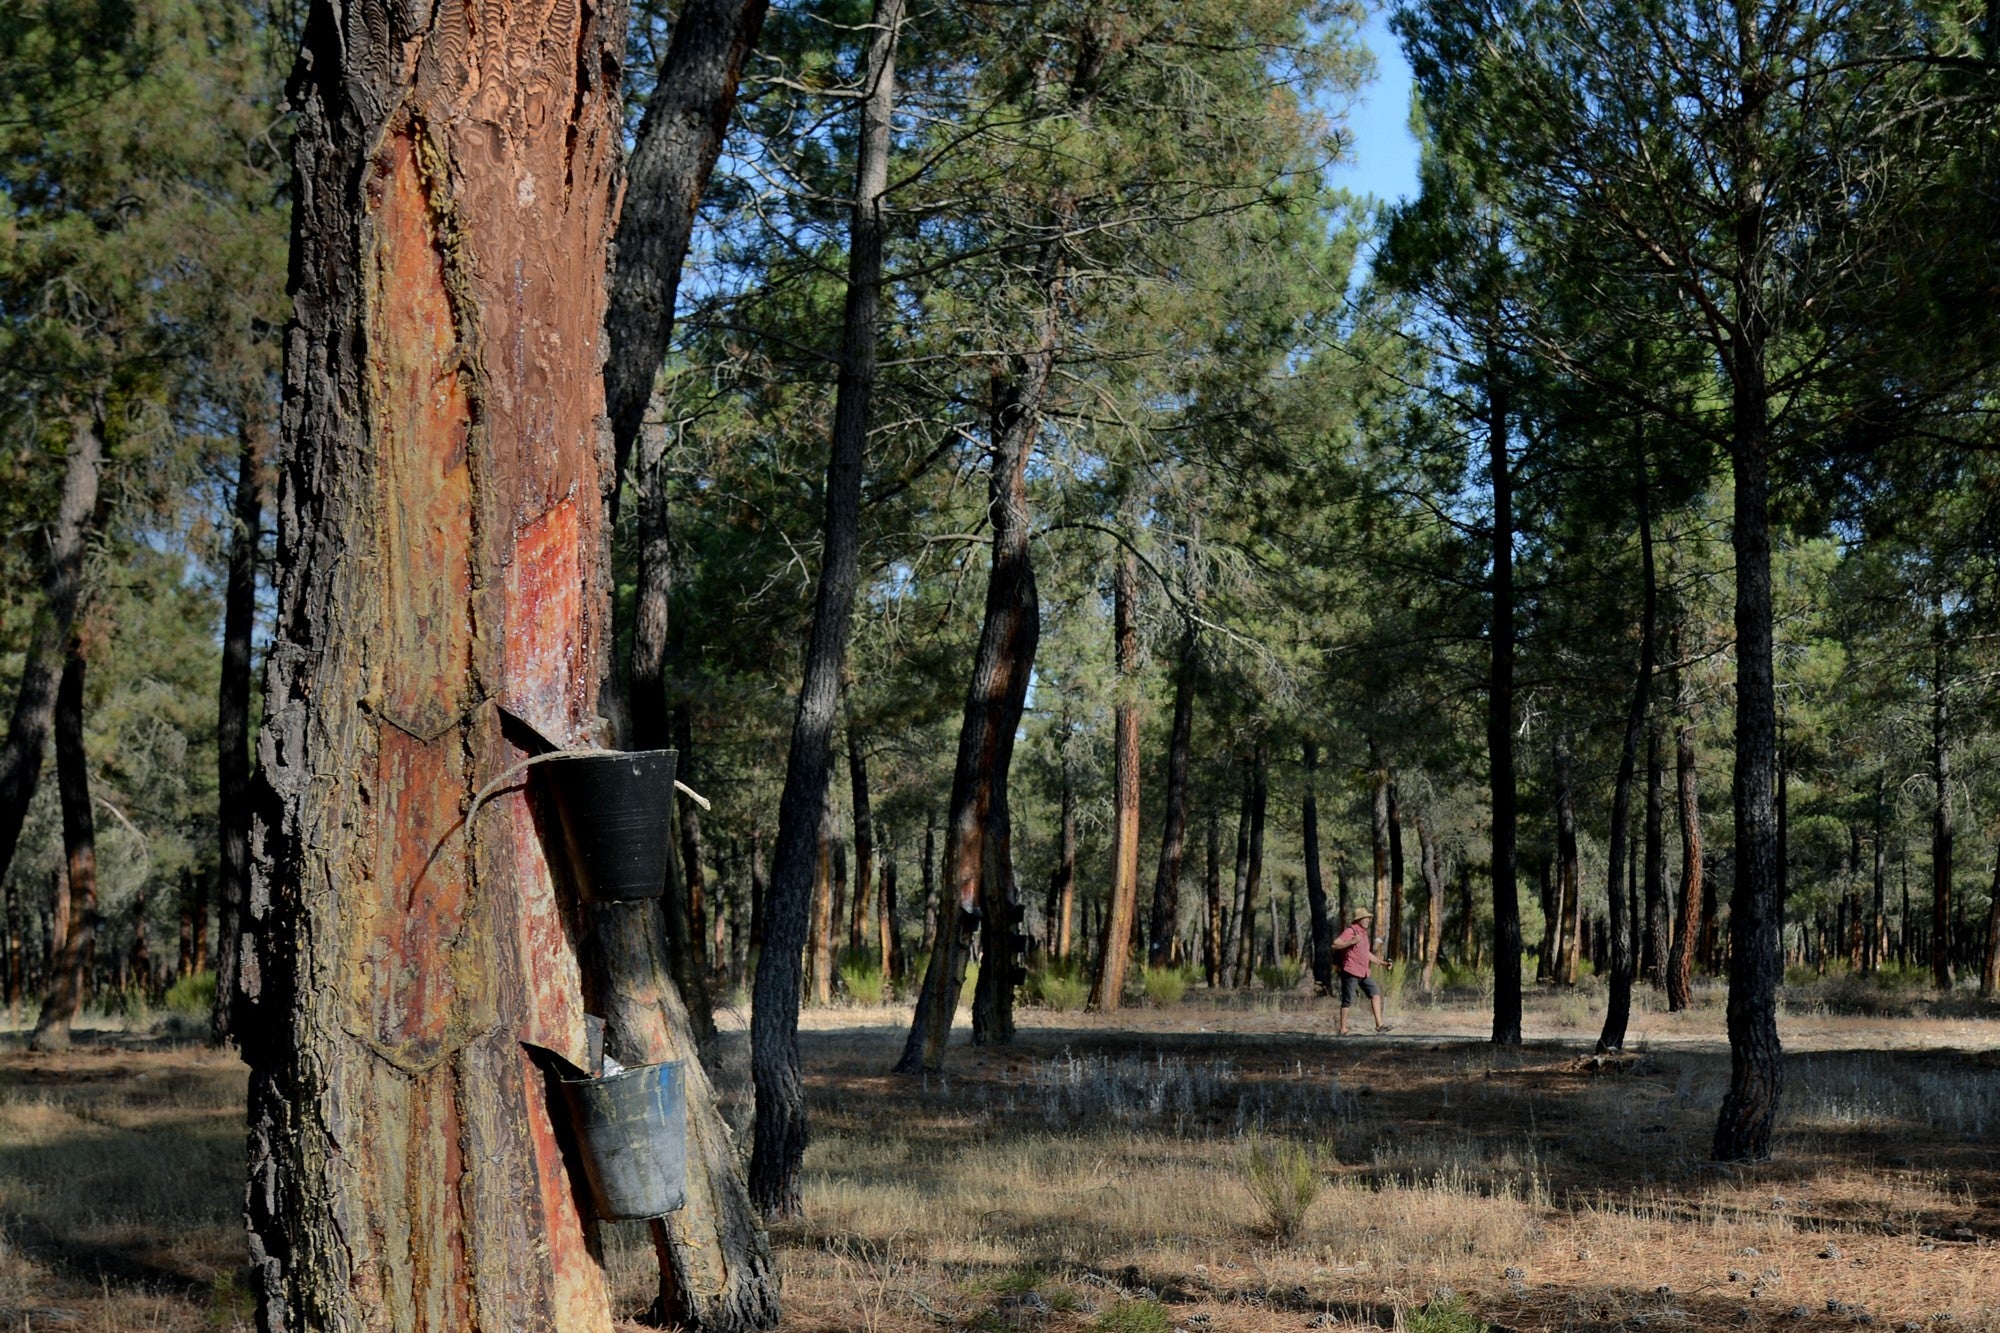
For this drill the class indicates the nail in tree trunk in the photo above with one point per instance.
(232, 722)
(976, 890)
(1321, 928)
(43, 664)
(1618, 1010)
(1108, 990)
(780, 1139)
(1211, 883)
(1253, 876)
(1065, 880)
(1658, 943)
(442, 613)
(1380, 828)
(864, 843)
(1941, 828)
(1173, 831)
(1395, 928)
(69, 975)
(1500, 726)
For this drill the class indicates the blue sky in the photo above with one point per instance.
(1385, 153)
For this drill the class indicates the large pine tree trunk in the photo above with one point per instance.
(1659, 929)
(42, 667)
(1505, 803)
(1108, 991)
(68, 974)
(232, 721)
(1173, 829)
(442, 613)
(1618, 1010)
(1322, 928)
(780, 1140)
(976, 891)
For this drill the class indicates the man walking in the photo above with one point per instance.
(1357, 957)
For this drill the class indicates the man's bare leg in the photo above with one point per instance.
(1343, 1019)
(1375, 1002)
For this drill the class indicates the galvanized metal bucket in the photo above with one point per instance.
(615, 808)
(631, 1129)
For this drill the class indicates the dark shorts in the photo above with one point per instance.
(1349, 983)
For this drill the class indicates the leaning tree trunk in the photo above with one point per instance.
(442, 613)
(715, 1262)
(67, 975)
(232, 722)
(977, 888)
(1322, 928)
(1618, 1010)
(42, 667)
(1173, 830)
(780, 1140)
(1107, 992)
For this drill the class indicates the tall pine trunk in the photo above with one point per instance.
(1941, 825)
(1173, 830)
(1211, 883)
(68, 975)
(864, 842)
(1232, 924)
(42, 667)
(1658, 941)
(977, 887)
(1379, 827)
(1253, 874)
(1687, 923)
(780, 1139)
(1395, 928)
(1321, 927)
(1624, 932)
(1430, 866)
(442, 614)
(1065, 881)
(1504, 798)
(1108, 990)
(232, 721)
(1567, 925)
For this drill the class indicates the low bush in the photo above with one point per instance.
(863, 981)
(193, 996)
(1165, 986)
(1444, 1315)
(1058, 983)
(1283, 975)
(1284, 1178)
(1135, 1317)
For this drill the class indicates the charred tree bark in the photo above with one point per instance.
(1107, 992)
(864, 842)
(42, 667)
(442, 613)
(1659, 928)
(780, 1140)
(68, 976)
(1500, 726)
(1173, 830)
(1618, 1010)
(232, 722)
(1211, 936)
(1321, 927)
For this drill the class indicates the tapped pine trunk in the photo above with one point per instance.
(410, 979)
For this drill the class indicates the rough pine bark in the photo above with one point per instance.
(1107, 992)
(68, 972)
(891, 928)
(42, 666)
(232, 721)
(1430, 866)
(1618, 1010)
(1173, 829)
(1504, 796)
(780, 1139)
(976, 891)
(1321, 927)
(442, 613)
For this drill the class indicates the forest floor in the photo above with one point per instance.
(1097, 1175)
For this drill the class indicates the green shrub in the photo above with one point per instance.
(1394, 977)
(1447, 1315)
(193, 996)
(1165, 986)
(1284, 1178)
(1135, 1317)
(863, 982)
(1283, 975)
(1058, 983)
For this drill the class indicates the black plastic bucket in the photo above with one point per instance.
(615, 807)
(631, 1129)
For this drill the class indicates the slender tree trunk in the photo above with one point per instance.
(1433, 876)
(979, 880)
(864, 842)
(139, 960)
(691, 905)
(1466, 925)
(928, 907)
(1566, 926)
(757, 888)
(15, 958)
(69, 975)
(892, 931)
(1877, 914)
(1322, 929)
(780, 1140)
(837, 912)
(1687, 926)
(442, 613)
(1246, 963)
(1500, 727)
(1173, 830)
(1659, 928)
(1108, 990)
(1233, 923)
(1989, 972)
(1941, 826)
(1380, 829)
(819, 943)
(1066, 870)
(42, 667)
(1618, 1010)
(1211, 938)
(232, 721)
(1395, 927)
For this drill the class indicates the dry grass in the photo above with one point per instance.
(1096, 1175)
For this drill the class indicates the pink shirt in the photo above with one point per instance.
(1355, 940)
